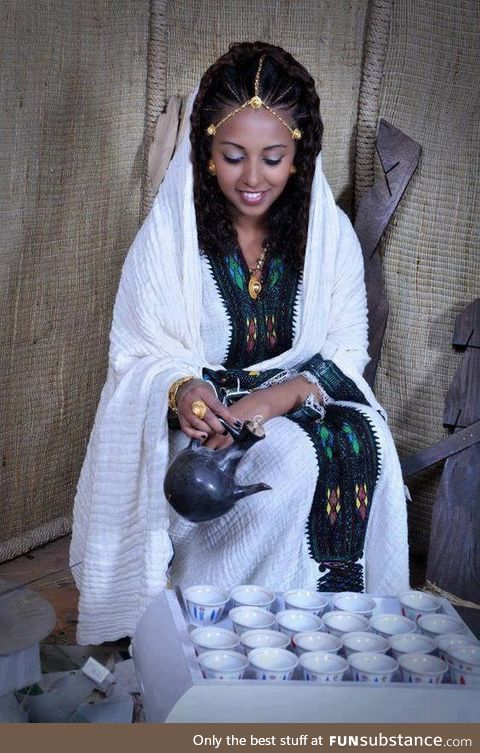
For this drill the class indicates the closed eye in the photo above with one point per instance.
(237, 160)
(232, 160)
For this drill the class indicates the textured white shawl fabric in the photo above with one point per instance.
(121, 519)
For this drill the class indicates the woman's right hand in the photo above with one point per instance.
(197, 389)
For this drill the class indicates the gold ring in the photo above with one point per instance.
(199, 409)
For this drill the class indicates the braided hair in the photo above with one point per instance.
(284, 85)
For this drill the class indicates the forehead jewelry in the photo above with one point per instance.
(255, 103)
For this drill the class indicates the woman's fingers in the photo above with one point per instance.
(198, 392)
(218, 442)
(192, 432)
(215, 425)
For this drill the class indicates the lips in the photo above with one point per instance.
(252, 197)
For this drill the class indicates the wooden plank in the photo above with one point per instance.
(467, 326)
(440, 450)
(454, 551)
(399, 156)
(462, 403)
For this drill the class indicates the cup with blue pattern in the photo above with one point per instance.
(322, 666)
(423, 669)
(270, 663)
(222, 665)
(205, 604)
(372, 667)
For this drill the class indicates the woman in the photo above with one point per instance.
(245, 278)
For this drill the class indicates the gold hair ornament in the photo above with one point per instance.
(255, 102)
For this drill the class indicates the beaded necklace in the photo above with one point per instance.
(254, 285)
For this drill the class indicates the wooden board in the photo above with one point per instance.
(399, 156)
(454, 552)
(462, 404)
(437, 452)
(467, 326)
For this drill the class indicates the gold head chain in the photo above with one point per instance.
(255, 103)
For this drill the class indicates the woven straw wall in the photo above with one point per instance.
(72, 87)
(431, 253)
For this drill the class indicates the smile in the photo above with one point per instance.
(252, 197)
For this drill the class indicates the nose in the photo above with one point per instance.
(251, 174)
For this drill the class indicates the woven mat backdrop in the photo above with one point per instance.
(432, 253)
(72, 86)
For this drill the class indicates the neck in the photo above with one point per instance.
(250, 233)
(249, 225)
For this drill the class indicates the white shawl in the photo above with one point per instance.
(120, 533)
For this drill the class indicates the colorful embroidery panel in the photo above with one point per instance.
(261, 328)
(344, 441)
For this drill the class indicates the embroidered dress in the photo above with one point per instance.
(345, 457)
(170, 321)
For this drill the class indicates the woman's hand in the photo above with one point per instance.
(197, 389)
(267, 403)
(244, 409)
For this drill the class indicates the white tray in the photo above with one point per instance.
(174, 689)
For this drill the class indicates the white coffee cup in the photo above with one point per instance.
(338, 623)
(252, 596)
(291, 621)
(272, 663)
(354, 602)
(311, 640)
(223, 665)
(251, 639)
(409, 643)
(414, 604)
(214, 639)
(391, 624)
(205, 604)
(321, 666)
(360, 642)
(250, 618)
(422, 669)
(372, 668)
(305, 600)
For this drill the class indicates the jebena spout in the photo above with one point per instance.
(245, 491)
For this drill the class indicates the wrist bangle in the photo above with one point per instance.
(172, 392)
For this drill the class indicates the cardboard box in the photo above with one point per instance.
(174, 689)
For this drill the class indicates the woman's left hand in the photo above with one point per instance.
(276, 400)
(244, 409)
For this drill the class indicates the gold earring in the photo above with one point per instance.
(292, 170)
(211, 167)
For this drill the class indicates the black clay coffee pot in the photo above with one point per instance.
(200, 482)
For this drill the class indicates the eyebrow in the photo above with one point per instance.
(265, 149)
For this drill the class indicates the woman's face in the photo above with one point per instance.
(253, 153)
